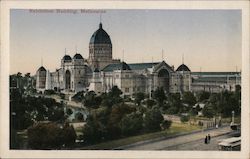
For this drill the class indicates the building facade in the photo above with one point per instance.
(100, 72)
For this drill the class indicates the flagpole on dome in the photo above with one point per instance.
(76, 49)
(100, 25)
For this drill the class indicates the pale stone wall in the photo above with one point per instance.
(100, 55)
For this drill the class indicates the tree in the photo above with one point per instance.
(184, 118)
(150, 103)
(69, 111)
(117, 113)
(56, 114)
(131, 124)
(115, 92)
(159, 95)
(90, 100)
(15, 140)
(189, 98)
(79, 116)
(79, 96)
(93, 130)
(112, 97)
(166, 124)
(50, 136)
(174, 104)
(208, 111)
(69, 135)
(202, 96)
(45, 136)
(153, 119)
(139, 97)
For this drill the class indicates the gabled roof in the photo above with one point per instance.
(163, 64)
(41, 69)
(116, 66)
(142, 66)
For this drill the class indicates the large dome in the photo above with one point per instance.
(100, 37)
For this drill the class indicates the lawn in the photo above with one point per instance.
(175, 129)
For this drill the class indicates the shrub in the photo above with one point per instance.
(62, 95)
(184, 118)
(131, 124)
(79, 116)
(50, 136)
(166, 124)
(78, 96)
(152, 120)
(49, 92)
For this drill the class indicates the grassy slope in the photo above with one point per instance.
(176, 128)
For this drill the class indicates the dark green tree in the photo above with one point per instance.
(208, 111)
(117, 113)
(159, 95)
(189, 98)
(90, 101)
(174, 104)
(152, 120)
(139, 97)
(115, 92)
(166, 124)
(68, 135)
(150, 103)
(79, 116)
(202, 96)
(45, 136)
(131, 124)
(69, 111)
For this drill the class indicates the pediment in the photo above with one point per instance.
(163, 65)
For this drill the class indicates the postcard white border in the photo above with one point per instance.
(4, 98)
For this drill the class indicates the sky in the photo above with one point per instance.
(209, 40)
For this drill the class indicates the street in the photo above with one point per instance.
(193, 141)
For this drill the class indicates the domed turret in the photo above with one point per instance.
(183, 67)
(100, 36)
(67, 58)
(77, 56)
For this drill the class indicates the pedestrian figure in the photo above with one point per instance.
(205, 140)
(209, 138)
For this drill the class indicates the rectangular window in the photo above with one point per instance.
(126, 90)
(126, 76)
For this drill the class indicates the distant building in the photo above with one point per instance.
(100, 72)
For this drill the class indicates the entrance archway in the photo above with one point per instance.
(163, 80)
(67, 82)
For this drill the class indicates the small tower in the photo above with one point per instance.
(96, 84)
(184, 78)
(41, 79)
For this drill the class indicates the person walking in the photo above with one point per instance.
(205, 141)
(209, 138)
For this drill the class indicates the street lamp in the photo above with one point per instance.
(232, 117)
